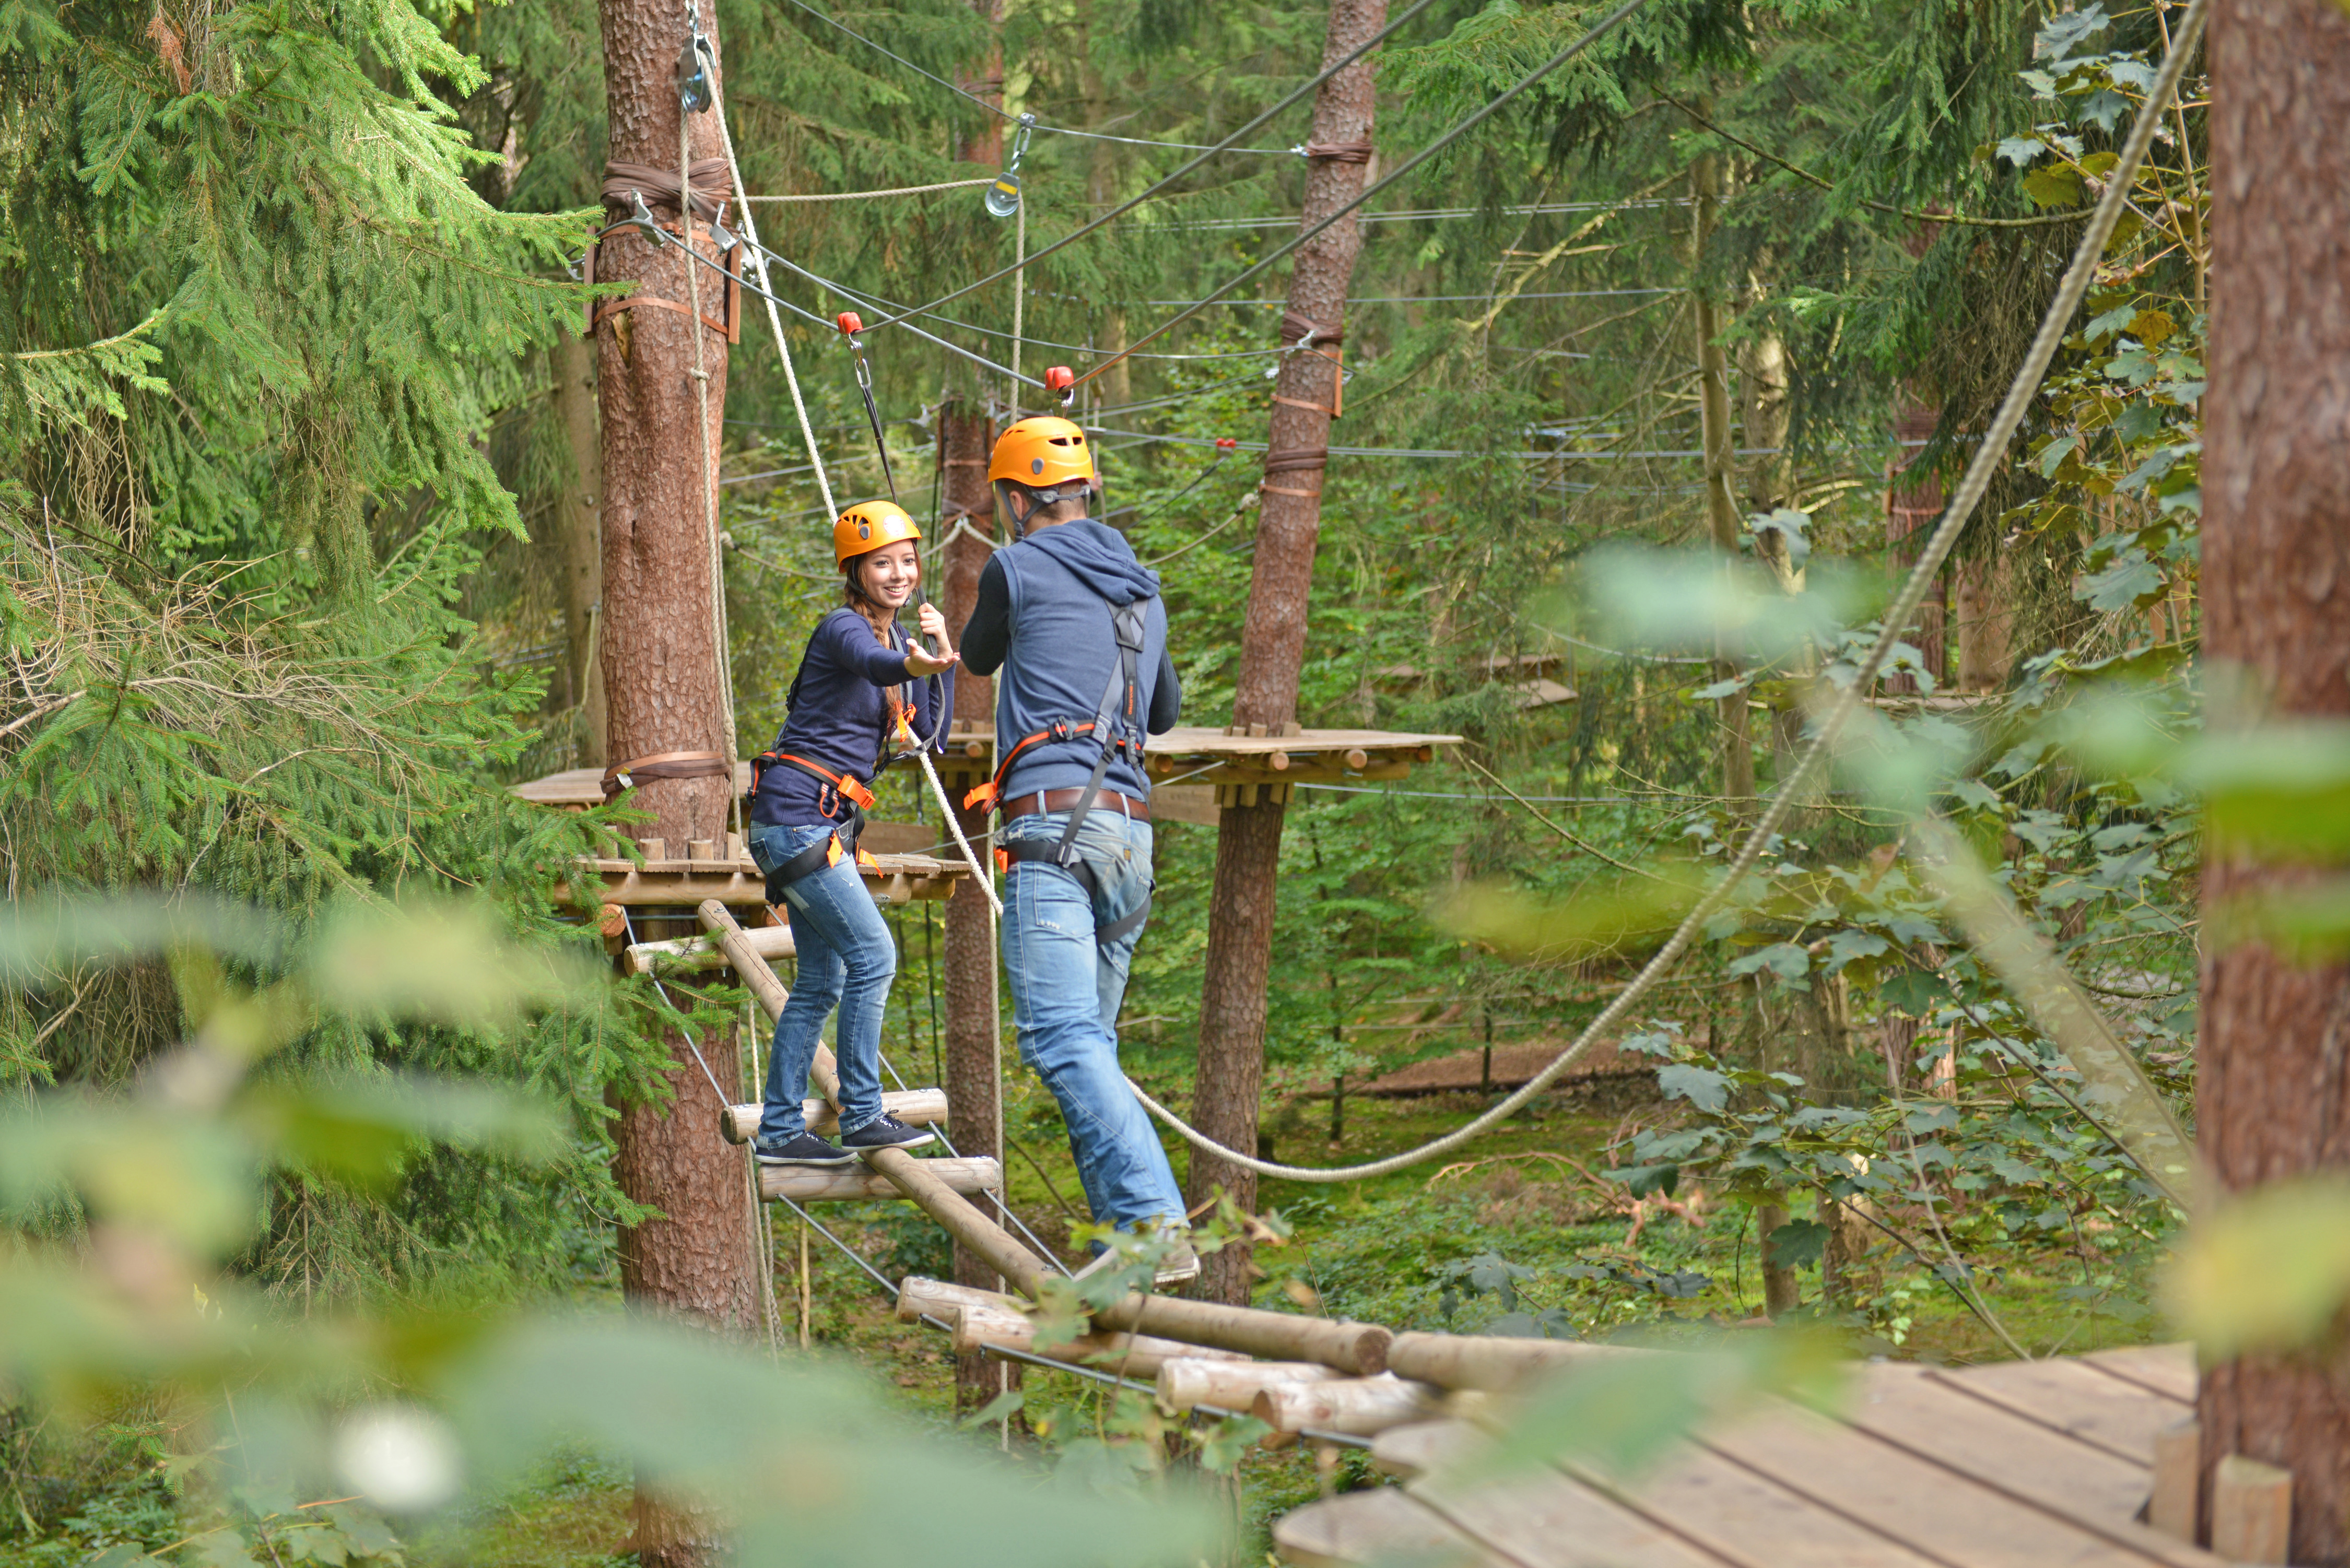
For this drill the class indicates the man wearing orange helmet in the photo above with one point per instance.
(1071, 626)
(862, 698)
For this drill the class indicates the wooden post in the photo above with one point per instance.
(968, 969)
(665, 684)
(2276, 617)
(1721, 519)
(2174, 1507)
(1273, 640)
(2251, 1510)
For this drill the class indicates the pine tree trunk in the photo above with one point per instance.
(1912, 508)
(664, 685)
(973, 1093)
(578, 521)
(1273, 649)
(1984, 593)
(2273, 1098)
(1722, 518)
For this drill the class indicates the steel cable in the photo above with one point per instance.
(1977, 480)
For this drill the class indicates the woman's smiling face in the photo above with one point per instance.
(890, 574)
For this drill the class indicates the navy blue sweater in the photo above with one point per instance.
(839, 716)
(1043, 618)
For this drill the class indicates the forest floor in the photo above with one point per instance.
(1448, 1246)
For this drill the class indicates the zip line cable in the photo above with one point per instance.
(1852, 698)
(1292, 96)
(1599, 30)
(1014, 119)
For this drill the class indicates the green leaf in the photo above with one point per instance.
(1797, 1244)
(1702, 1087)
(1008, 1403)
(2129, 580)
(1786, 960)
(2056, 186)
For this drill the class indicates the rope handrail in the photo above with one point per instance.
(869, 195)
(1849, 701)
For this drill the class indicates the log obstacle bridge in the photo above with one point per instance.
(2089, 1460)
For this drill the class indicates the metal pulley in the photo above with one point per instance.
(697, 68)
(1004, 196)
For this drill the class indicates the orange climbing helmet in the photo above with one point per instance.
(1044, 453)
(866, 527)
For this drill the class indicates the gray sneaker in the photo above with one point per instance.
(1180, 1263)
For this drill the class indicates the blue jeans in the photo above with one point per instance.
(847, 960)
(1066, 992)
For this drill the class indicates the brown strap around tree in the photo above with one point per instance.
(658, 187)
(664, 765)
(1340, 151)
(1285, 490)
(607, 308)
(1305, 331)
(1297, 459)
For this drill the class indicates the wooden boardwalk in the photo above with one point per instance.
(2033, 1464)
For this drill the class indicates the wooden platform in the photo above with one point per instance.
(1242, 768)
(738, 885)
(2014, 1465)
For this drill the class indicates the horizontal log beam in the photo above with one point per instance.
(848, 1183)
(1489, 1361)
(977, 1327)
(1358, 1406)
(737, 885)
(918, 1296)
(1188, 1381)
(915, 1107)
(770, 943)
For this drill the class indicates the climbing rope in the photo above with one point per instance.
(1976, 481)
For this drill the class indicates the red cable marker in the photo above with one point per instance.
(1227, 442)
(850, 322)
(1059, 380)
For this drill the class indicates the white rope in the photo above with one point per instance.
(1986, 461)
(866, 195)
(1019, 291)
(986, 883)
(758, 261)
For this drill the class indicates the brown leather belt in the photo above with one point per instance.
(1109, 801)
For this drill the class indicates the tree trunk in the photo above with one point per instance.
(2273, 1099)
(1722, 520)
(1911, 511)
(664, 683)
(973, 1092)
(1985, 596)
(1781, 1291)
(1272, 647)
(578, 521)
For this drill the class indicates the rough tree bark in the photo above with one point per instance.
(2273, 1096)
(580, 554)
(1984, 597)
(1912, 507)
(663, 685)
(1272, 644)
(1722, 518)
(968, 963)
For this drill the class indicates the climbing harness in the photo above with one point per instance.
(1116, 729)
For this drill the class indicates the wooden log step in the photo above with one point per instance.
(915, 1107)
(1490, 1361)
(1361, 1405)
(979, 1323)
(770, 943)
(840, 1183)
(1191, 1379)
(918, 1296)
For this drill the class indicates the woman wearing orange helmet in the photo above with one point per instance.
(862, 697)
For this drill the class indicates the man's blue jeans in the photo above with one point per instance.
(1066, 992)
(846, 958)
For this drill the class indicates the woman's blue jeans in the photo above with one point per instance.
(1066, 994)
(847, 959)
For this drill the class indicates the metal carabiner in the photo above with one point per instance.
(850, 324)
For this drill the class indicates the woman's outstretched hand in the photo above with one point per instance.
(934, 626)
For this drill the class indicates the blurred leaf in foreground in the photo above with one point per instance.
(1632, 913)
(2266, 1271)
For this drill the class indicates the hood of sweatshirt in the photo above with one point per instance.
(1099, 557)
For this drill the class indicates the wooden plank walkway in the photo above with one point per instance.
(2041, 1464)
